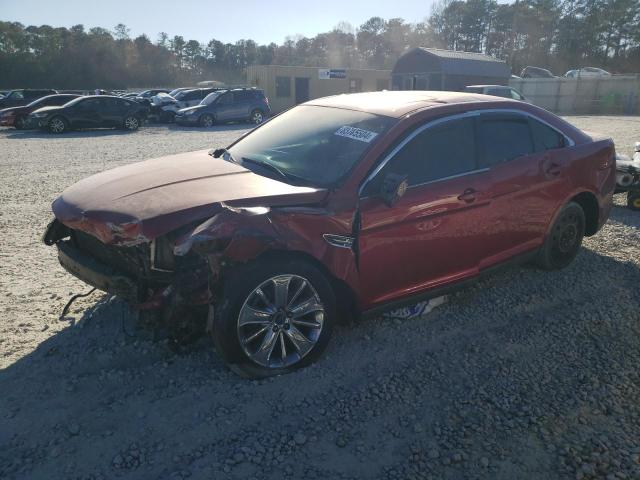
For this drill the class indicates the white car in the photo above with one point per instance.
(497, 91)
(587, 72)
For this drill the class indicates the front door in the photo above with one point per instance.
(435, 233)
(302, 90)
(87, 114)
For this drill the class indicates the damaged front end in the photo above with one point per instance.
(172, 278)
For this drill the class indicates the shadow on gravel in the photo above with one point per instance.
(623, 214)
(492, 385)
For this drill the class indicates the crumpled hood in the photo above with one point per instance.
(139, 202)
(188, 110)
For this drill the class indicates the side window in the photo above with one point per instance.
(515, 95)
(438, 152)
(193, 95)
(504, 138)
(545, 137)
(283, 87)
(500, 92)
(90, 104)
(241, 96)
(225, 99)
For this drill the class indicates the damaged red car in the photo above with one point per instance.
(343, 206)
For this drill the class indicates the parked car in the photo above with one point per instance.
(23, 96)
(153, 92)
(587, 72)
(497, 91)
(95, 111)
(18, 117)
(350, 204)
(246, 104)
(628, 177)
(183, 99)
(536, 72)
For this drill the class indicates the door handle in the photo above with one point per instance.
(553, 169)
(468, 196)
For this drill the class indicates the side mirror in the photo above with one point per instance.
(393, 188)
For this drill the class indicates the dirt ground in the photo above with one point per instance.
(528, 374)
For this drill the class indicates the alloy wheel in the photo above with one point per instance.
(131, 123)
(280, 321)
(207, 121)
(56, 125)
(257, 117)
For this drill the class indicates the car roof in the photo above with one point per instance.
(399, 103)
(488, 86)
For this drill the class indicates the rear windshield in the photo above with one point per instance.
(319, 145)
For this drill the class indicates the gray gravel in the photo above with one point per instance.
(528, 374)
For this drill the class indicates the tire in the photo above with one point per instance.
(250, 294)
(564, 239)
(633, 200)
(131, 123)
(57, 125)
(206, 121)
(19, 123)
(257, 117)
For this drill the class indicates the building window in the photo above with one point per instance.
(382, 84)
(283, 87)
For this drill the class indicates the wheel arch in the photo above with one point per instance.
(346, 299)
(589, 204)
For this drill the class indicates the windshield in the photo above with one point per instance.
(180, 94)
(209, 99)
(318, 145)
(172, 93)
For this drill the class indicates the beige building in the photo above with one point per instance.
(288, 86)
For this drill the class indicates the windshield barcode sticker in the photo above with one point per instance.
(356, 134)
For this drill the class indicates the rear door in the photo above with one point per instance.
(241, 104)
(520, 173)
(113, 112)
(435, 233)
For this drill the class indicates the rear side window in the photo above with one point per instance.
(504, 139)
(545, 137)
(193, 95)
(241, 96)
(499, 92)
(438, 152)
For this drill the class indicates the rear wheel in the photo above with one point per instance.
(564, 239)
(57, 125)
(206, 121)
(257, 117)
(633, 200)
(131, 123)
(19, 123)
(277, 316)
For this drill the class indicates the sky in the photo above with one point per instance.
(264, 21)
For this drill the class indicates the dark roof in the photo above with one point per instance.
(426, 60)
(398, 103)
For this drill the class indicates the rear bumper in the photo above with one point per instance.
(95, 273)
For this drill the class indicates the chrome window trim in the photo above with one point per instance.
(457, 116)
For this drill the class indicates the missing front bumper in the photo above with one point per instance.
(96, 274)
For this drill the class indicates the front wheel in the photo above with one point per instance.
(257, 117)
(564, 239)
(57, 125)
(20, 123)
(633, 200)
(131, 123)
(206, 121)
(277, 316)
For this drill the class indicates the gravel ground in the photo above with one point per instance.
(528, 374)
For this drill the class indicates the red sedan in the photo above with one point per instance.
(345, 205)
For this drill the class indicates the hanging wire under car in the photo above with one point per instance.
(66, 308)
